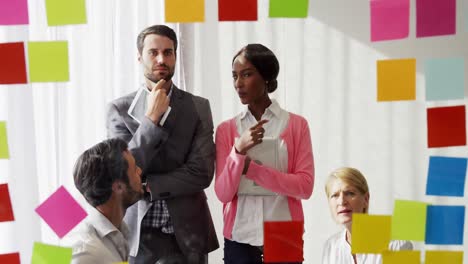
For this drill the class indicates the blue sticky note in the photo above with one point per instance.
(445, 79)
(446, 176)
(444, 225)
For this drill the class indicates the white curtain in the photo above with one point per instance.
(327, 75)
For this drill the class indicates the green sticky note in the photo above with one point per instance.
(48, 61)
(46, 254)
(65, 12)
(409, 221)
(437, 257)
(4, 153)
(371, 233)
(289, 8)
(401, 257)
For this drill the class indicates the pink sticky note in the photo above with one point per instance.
(389, 19)
(14, 12)
(61, 212)
(435, 17)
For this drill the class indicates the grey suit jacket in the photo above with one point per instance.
(178, 161)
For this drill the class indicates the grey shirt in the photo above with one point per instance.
(98, 241)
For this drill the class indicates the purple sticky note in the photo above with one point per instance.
(435, 17)
(61, 212)
(389, 19)
(14, 12)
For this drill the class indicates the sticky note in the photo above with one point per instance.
(48, 61)
(389, 19)
(185, 11)
(444, 225)
(237, 10)
(435, 17)
(446, 126)
(283, 241)
(401, 257)
(65, 12)
(371, 233)
(290, 8)
(6, 211)
(46, 254)
(446, 176)
(14, 12)
(438, 257)
(11, 258)
(445, 79)
(396, 80)
(4, 152)
(409, 220)
(61, 212)
(13, 63)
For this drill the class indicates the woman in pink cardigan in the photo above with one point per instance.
(267, 193)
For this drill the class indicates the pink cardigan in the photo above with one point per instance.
(296, 184)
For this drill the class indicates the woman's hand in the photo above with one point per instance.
(250, 138)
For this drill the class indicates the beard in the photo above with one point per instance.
(131, 197)
(156, 78)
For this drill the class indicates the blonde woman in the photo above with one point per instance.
(347, 193)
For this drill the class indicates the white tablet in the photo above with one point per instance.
(265, 153)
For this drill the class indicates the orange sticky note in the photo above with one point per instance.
(283, 241)
(438, 257)
(185, 11)
(396, 80)
(401, 257)
(371, 233)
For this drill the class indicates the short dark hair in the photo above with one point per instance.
(161, 30)
(264, 61)
(98, 168)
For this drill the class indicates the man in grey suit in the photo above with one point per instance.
(171, 138)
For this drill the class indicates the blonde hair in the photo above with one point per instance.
(350, 176)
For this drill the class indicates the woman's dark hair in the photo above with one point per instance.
(98, 168)
(161, 30)
(264, 61)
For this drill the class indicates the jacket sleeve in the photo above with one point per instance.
(299, 182)
(229, 165)
(197, 172)
(147, 139)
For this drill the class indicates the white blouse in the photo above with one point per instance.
(338, 251)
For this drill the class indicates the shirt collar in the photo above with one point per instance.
(274, 108)
(143, 85)
(103, 225)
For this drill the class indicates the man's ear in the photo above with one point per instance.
(117, 187)
(139, 56)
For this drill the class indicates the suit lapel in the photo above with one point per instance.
(176, 104)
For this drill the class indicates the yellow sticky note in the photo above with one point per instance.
(439, 257)
(65, 12)
(121, 263)
(396, 80)
(4, 153)
(185, 11)
(409, 221)
(48, 61)
(371, 233)
(46, 254)
(401, 257)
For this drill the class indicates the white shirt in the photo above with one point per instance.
(252, 211)
(338, 251)
(98, 241)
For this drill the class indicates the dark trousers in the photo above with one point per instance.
(157, 247)
(239, 253)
